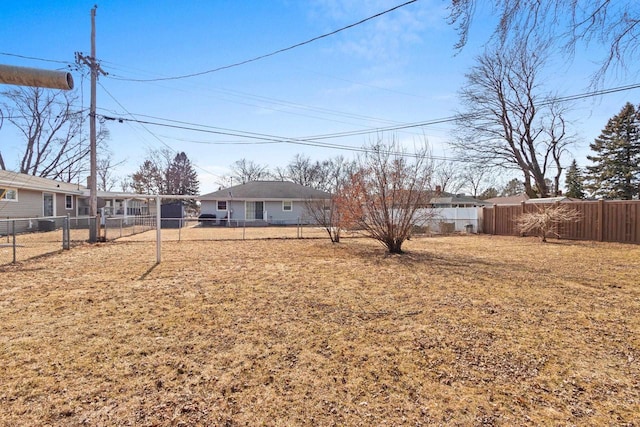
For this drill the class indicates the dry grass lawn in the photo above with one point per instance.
(466, 330)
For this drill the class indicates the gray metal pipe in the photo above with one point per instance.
(24, 76)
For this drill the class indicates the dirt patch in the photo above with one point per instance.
(467, 330)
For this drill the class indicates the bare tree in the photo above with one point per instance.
(245, 171)
(56, 146)
(615, 24)
(148, 179)
(331, 214)
(508, 124)
(447, 175)
(385, 193)
(303, 171)
(105, 172)
(477, 179)
(546, 220)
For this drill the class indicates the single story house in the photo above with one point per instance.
(27, 196)
(32, 197)
(260, 203)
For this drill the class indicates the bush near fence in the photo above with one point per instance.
(602, 220)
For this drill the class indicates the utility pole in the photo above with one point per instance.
(94, 66)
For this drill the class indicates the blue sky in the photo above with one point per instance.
(396, 69)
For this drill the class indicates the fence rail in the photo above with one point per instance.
(602, 220)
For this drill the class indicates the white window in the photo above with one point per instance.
(287, 205)
(222, 205)
(68, 202)
(10, 194)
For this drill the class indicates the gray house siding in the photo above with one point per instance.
(29, 205)
(277, 215)
(61, 205)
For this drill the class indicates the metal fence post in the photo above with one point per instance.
(66, 234)
(14, 240)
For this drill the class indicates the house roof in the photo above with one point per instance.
(552, 200)
(522, 197)
(267, 190)
(30, 182)
(508, 200)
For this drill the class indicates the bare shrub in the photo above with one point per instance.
(546, 220)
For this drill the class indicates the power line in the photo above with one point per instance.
(265, 138)
(257, 58)
(313, 140)
(146, 129)
(15, 55)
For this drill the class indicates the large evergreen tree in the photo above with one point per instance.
(182, 178)
(161, 173)
(574, 181)
(615, 173)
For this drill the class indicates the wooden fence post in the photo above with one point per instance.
(600, 220)
(494, 219)
(522, 212)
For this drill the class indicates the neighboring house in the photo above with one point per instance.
(28, 196)
(261, 202)
(120, 204)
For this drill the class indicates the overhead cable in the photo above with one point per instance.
(257, 58)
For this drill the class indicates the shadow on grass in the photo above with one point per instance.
(149, 271)
(447, 263)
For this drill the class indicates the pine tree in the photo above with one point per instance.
(182, 178)
(615, 173)
(512, 188)
(574, 181)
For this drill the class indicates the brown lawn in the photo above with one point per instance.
(466, 330)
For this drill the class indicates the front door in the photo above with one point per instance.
(47, 204)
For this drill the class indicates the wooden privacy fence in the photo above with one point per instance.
(602, 220)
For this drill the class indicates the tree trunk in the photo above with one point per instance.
(394, 246)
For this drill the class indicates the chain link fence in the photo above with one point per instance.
(25, 238)
(194, 229)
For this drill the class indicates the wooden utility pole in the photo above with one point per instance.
(94, 66)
